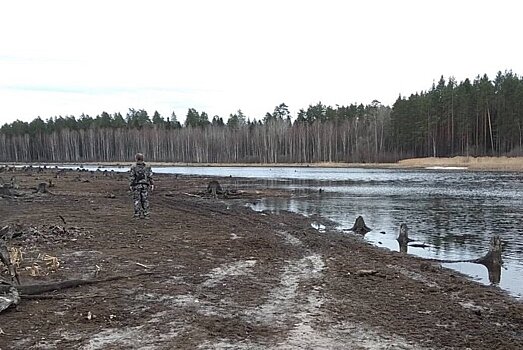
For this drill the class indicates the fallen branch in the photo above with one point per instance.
(191, 195)
(64, 296)
(34, 289)
(142, 265)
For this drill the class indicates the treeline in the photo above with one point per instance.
(476, 118)
(320, 133)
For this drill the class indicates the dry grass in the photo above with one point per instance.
(471, 163)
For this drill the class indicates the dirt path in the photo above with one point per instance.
(226, 277)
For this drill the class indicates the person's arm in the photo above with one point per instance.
(151, 179)
(132, 176)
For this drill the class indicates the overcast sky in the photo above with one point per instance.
(218, 56)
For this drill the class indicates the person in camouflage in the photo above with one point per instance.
(140, 183)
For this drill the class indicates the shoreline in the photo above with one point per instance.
(458, 163)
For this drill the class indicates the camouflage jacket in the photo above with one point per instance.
(141, 174)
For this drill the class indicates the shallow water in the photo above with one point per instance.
(453, 211)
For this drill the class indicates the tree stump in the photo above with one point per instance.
(214, 188)
(492, 260)
(4, 254)
(360, 227)
(42, 188)
(5, 258)
(403, 238)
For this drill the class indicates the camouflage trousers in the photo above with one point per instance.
(141, 200)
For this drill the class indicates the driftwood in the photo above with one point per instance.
(360, 227)
(10, 295)
(35, 289)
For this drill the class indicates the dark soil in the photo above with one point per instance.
(224, 276)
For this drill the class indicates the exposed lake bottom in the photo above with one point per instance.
(453, 213)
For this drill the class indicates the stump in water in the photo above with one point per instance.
(403, 238)
(492, 260)
(214, 188)
(360, 227)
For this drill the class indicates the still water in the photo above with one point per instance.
(454, 212)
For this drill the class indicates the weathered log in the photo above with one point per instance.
(360, 227)
(35, 289)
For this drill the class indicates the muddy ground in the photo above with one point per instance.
(225, 276)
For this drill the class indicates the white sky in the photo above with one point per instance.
(218, 56)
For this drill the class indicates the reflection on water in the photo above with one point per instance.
(452, 214)
(494, 273)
